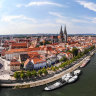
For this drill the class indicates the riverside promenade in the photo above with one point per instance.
(48, 80)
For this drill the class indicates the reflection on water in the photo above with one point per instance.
(85, 86)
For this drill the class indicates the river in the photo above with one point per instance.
(85, 86)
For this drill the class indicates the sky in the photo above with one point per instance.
(47, 16)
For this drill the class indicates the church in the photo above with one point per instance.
(63, 35)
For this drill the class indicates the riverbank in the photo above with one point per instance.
(48, 80)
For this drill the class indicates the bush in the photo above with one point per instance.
(22, 75)
(40, 72)
(34, 73)
(28, 74)
(44, 71)
(16, 75)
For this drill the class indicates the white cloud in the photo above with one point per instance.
(56, 14)
(89, 5)
(28, 28)
(39, 3)
(92, 19)
(21, 17)
(79, 21)
(19, 5)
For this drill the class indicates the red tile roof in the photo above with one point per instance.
(38, 60)
(15, 45)
(26, 62)
(21, 50)
(15, 63)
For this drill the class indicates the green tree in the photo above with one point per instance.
(40, 72)
(28, 74)
(86, 51)
(44, 71)
(34, 73)
(75, 52)
(22, 75)
(16, 75)
(63, 59)
(53, 68)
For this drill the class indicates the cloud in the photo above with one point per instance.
(28, 28)
(56, 14)
(11, 18)
(79, 21)
(19, 5)
(92, 19)
(39, 3)
(89, 5)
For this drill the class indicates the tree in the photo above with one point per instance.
(28, 73)
(46, 42)
(22, 75)
(16, 75)
(75, 52)
(56, 67)
(34, 73)
(44, 71)
(86, 51)
(53, 68)
(40, 72)
(63, 59)
(41, 43)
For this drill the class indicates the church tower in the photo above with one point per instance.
(61, 35)
(65, 35)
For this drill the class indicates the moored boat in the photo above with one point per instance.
(73, 79)
(85, 62)
(77, 72)
(55, 86)
(67, 78)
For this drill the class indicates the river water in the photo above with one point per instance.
(85, 86)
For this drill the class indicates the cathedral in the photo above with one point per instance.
(63, 35)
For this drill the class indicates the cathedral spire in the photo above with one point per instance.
(61, 35)
(65, 31)
(65, 34)
(61, 32)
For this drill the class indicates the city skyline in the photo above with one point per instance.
(46, 16)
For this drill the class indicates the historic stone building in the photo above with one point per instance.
(63, 36)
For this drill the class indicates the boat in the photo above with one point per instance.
(55, 85)
(85, 62)
(73, 79)
(63, 77)
(67, 78)
(77, 72)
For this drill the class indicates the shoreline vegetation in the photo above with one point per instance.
(44, 72)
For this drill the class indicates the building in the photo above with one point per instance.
(61, 35)
(39, 63)
(36, 63)
(18, 45)
(65, 35)
(28, 65)
(14, 65)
